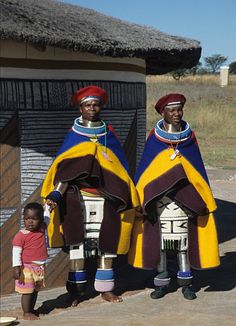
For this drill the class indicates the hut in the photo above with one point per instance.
(48, 50)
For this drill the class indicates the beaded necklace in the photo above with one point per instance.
(172, 139)
(93, 133)
(174, 148)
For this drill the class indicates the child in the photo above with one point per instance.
(29, 256)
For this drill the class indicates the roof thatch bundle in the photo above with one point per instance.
(52, 23)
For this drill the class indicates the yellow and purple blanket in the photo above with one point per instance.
(183, 178)
(98, 164)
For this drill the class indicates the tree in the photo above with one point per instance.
(214, 62)
(232, 67)
(203, 71)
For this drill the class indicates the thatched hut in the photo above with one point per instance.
(49, 49)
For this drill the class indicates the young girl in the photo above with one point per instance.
(29, 257)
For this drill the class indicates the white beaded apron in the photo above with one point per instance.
(173, 225)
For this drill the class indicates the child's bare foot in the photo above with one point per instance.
(111, 297)
(30, 316)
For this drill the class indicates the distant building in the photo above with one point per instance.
(48, 50)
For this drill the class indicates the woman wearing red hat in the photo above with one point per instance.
(91, 196)
(177, 202)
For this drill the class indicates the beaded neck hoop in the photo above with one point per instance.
(94, 133)
(173, 137)
(89, 131)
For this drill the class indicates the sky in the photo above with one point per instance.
(211, 22)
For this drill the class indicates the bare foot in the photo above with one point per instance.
(75, 302)
(111, 297)
(30, 316)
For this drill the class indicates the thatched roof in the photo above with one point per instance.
(52, 23)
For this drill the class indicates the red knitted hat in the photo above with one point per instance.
(88, 92)
(169, 99)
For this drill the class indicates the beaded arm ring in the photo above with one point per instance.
(55, 196)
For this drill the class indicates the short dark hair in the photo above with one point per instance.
(37, 207)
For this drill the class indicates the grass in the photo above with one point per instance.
(210, 109)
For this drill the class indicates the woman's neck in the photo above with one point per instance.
(91, 124)
(170, 128)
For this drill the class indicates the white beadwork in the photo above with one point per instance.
(174, 224)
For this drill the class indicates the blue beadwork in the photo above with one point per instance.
(104, 274)
(78, 276)
(173, 136)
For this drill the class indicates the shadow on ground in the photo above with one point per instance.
(222, 278)
(131, 279)
(225, 217)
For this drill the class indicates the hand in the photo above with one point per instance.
(53, 199)
(138, 212)
(52, 204)
(17, 272)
